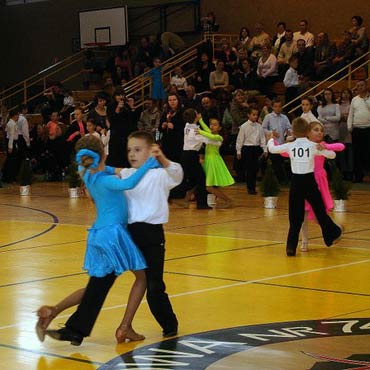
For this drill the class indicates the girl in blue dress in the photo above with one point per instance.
(158, 94)
(110, 250)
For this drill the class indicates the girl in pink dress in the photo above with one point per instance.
(316, 135)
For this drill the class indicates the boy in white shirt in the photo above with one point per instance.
(147, 212)
(194, 176)
(304, 187)
(291, 80)
(250, 145)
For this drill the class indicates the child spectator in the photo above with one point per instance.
(277, 125)
(179, 81)
(91, 128)
(291, 80)
(250, 145)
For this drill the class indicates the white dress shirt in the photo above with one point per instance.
(308, 37)
(302, 154)
(359, 113)
(23, 129)
(192, 141)
(11, 133)
(309, 117)
(250, 134)
(148, 201)
(291, 78)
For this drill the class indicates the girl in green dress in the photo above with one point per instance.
(217, 174)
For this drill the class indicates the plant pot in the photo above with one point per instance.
(24, 190)
(270, 202)
(73, 192)
(339, 205)
(211, 200)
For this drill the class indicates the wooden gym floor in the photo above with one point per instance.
(226, 273)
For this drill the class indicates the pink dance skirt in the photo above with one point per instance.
(322, 183)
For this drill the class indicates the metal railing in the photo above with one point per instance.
(141, 86)
(322, 85)
(35, 86)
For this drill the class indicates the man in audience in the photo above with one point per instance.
(303, 34)
(359, 125)
(287, 49)
(345, 52)
(192, 100)
(258, 40)
(305, 61)
(149, 118)
(324, 54)
(208, 110)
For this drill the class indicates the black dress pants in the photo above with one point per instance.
(304, 187)
(150, 240)
(83, 319)
(250, 158)
(194, 176)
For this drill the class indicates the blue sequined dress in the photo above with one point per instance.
(109, 245)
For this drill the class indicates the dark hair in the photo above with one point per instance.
(142, 135)
(300, 126)
(189, 115)
(92, 143)
(21, 107)
(308, 99)
(251, 108)
(358, 19)
(324, 102)
(350, 95)
(281, 24)
(13, 112)
(277, 100)
(241, 30)
(91, 120)
(292, 59)
(119, 91)
(304, 20)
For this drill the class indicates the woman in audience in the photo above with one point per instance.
(359, 36)
(99, 113)
(279, 37)
(345, 158)
(329, 115)
(203, 72)
(244, 38)
(123, 60)
(172, 128)
(267, 69)
(219, 79)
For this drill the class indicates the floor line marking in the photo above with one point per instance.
(200, 291)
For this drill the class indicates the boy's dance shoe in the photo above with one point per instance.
(338, 238)
(66, 334)
(290, 252)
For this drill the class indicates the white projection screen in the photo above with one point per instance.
(103, 26)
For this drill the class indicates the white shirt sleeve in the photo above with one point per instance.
(274, 149)
(240, 140)
(175, 174)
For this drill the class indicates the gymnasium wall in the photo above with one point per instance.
(333, 16)
(33, 34)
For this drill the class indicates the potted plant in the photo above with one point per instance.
(74, 180)
(25, 177)
(270, 187)
(340, 189)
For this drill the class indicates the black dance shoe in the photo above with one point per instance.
(170, 332)
(290, 252)
(66, 334)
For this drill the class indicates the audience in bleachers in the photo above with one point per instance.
(251, 67)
